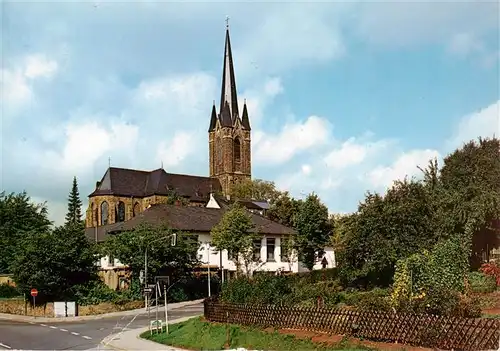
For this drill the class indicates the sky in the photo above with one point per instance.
(343, 97)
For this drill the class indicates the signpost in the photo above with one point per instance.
(34, 294)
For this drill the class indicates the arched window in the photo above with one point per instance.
(136, 209)
(91, 214)
(237, 154)
(104, 213)
(219, 160)
(120, 212)
(95, 215)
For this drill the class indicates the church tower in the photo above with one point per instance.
(229, 132)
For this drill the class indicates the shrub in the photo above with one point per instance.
(446, 302)
(482, 283)
(491, 269)
(8, 291)
(237, 290)
(376, 299)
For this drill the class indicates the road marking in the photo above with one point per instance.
(52, 327)
(43, 325)
(86, 337)
(5, 346)
(64, 330)
(75, 333)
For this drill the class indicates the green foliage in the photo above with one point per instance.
(8, 291)
(236, 234)
(54, 262)
(313, 230)
(482, 283)
(284, 209)
(255, 189)
(74, 214)
(163, 258)
(374, 300)
(18, 216)
(423, 280)
(384, 230)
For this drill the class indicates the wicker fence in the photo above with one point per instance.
(417, 330)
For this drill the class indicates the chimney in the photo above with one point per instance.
(97, 184)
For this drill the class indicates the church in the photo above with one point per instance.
(125, 197)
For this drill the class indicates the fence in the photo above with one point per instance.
(416, 330)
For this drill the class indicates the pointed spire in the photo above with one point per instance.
(245, 121)
(225, 116)
(213, 119)
(228, 92)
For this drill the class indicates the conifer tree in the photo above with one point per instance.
(74, 215)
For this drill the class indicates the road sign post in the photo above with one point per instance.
(34, 294)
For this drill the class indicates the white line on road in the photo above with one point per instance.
(52, 327)
(5, 346)
(43, 325)
(75, 333)
(64, 330)
(86, 337)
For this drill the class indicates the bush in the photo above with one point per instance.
(373, 300)
(482, 283)
(8, 291)
(448, 303)
(492, 270)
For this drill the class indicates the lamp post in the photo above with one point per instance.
(174, 240)
(208, 267)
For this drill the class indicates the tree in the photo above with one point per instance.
(236, 233)
(55, 262)
(256, 189)
(313, 230)
(74, 214)
(384, 230)
(163, 259)
(18, 216)
(288, 247)
(284, 209)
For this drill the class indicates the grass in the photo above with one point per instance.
(195, 334)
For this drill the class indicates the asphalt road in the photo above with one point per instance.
(84, 335)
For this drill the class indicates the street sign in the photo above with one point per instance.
(148, 290)
(34, 292)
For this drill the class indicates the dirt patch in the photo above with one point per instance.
(331, 339)
(20, 307)
(490, 302)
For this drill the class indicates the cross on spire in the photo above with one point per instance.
(227, 22)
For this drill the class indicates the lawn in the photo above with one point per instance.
(196, 334)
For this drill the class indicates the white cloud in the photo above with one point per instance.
(175, 152)
(405, 165)
(16, 83)
(85, 143)
(306, 169)
(291, 140)
(352, 153)
(40, 66)
(483, 123)
(464, 44)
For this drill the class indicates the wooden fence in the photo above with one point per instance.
(416, 330)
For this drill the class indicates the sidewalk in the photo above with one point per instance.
(21, 318)
(131, 340)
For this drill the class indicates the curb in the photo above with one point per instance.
(21, 318)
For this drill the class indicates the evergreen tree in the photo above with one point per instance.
(74, 215)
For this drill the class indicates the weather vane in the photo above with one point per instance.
(227, 21)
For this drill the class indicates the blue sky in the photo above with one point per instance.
(343, 97)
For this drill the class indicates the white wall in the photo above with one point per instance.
(273, 266)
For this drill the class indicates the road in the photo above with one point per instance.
(84, 335)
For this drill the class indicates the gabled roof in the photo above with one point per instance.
(247, 203)
(185, 218)
(131, 182)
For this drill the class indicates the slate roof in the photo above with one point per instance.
(131, 182)
(184, 218)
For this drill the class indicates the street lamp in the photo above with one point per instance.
(145, 277)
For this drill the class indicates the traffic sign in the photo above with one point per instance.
(34, 292)
(148, 290)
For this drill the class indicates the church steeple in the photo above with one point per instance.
(229, 133)
(228, 91)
